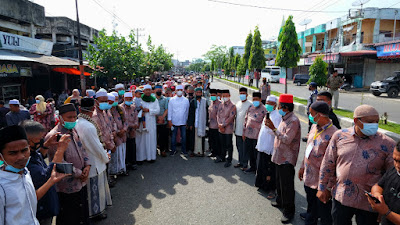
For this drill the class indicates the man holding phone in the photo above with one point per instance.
(387, 192)
(72, 193)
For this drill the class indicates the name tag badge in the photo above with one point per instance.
(309, 150)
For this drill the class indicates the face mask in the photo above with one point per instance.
(242, 97)
(128, 103)
(198, 97)
(190, 94)
(369, 128)
(256, 103)
(37, 101)
(226, 99)
(158, 93)
(38, 144)
(281, 112)
(115, 104)
(179, 93)
(11, 168)
(168, 98)
(219, 98)
(269, 108)
(103, 105)
(213, 98)
(121, 92)
(311, 118)
(67, 125)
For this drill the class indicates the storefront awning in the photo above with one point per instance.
(359, 53)
(8, 55)
(71, 71)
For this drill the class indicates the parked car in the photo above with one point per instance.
(390, 85)
(300, 79)
(271, 73)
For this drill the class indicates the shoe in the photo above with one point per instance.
(163, 154)
(286, 218)
(227, 164)
(238, 165)
(250, 170)
(145, 129)
(304, 139)
(134, 167)
(125, 174)
(218, 160)
(211, 155)
(172, 153)
(243, 168)
(303, 216)
(276, 204)
(184, 154)
(139, 130)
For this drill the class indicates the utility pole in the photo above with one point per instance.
(82, 77)
(394, 27)
(138, 35)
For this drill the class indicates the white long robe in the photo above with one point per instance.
(146, 142)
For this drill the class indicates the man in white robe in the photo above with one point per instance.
(146, 142)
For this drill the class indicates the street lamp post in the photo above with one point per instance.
(82, 77)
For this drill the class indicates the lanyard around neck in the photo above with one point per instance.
(317, 134)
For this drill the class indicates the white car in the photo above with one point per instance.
(271, 73)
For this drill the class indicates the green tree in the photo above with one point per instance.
(218, 55)
(318, 72)
(247, 50)
(289, 49)
(257, 56)
(157, 59)
(236, 62)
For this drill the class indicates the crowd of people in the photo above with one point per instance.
(62, 165)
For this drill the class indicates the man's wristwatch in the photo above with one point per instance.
(388, 212)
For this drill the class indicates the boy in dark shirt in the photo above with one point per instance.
(387, 191)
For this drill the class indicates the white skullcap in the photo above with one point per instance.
(118, 86)
(147, 86)
(272, 98)
(111, 97)
(101, 93)
(114, 93)
(179, 87)
(14, 102)
(128, 95)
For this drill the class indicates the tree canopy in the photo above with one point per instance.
(318, 72)
(289, 49)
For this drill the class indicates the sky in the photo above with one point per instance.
(188, 28)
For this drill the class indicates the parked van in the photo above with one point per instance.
(271, 73)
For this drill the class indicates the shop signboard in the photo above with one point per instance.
(329, 58)
(25, 44)
(388, 50)
(9, 70)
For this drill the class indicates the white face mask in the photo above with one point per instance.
(226, 99)
(179, 93)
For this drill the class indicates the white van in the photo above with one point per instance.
(271, 73)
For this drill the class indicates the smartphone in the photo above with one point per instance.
(267, 115)
(58, 137)
(372, 197)
(66, 168)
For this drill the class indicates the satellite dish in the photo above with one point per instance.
(359, 2)
(305, 22)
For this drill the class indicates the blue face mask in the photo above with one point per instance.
(128, 103)
(103, 105)
(281, 112)
(37, 101)
(311, 118)
(256, 103)
(11, 168)
(242, 97)
(219, 98)
(213, 98)
(69, 125)
(115, 104)
(369, 128)
(121, 92)
(269, 108)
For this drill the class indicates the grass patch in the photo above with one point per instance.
(393, 127)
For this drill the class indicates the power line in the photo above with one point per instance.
(112, 14)
(272, 8)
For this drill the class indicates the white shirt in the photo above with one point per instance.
(266, 137)
(18, 199)
(178, 110)
(91, 143)
(241, 110)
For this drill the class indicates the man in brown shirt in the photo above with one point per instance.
(213, 135)
(225, 118)
(286, 151)
(334, 82)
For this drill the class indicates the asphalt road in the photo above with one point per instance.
(179, 190)
(349, 100)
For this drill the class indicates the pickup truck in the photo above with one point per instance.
(390, 85)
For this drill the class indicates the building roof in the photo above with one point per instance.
(7, 55)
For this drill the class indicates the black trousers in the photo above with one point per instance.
(265, 168)
(317, 209)
(162, 137)
(130, 151)
(342, 215)
(226, 147)
(285, 188)
(190, 139)
(251, 152)
(74, 208)
(213, 141)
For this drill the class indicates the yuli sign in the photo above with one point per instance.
(25, 44)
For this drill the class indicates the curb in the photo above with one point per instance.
(301, 109)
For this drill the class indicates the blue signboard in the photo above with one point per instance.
(388, 50)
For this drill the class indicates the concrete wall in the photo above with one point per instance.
(385, 68)
(368, 29)
(23, 11)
